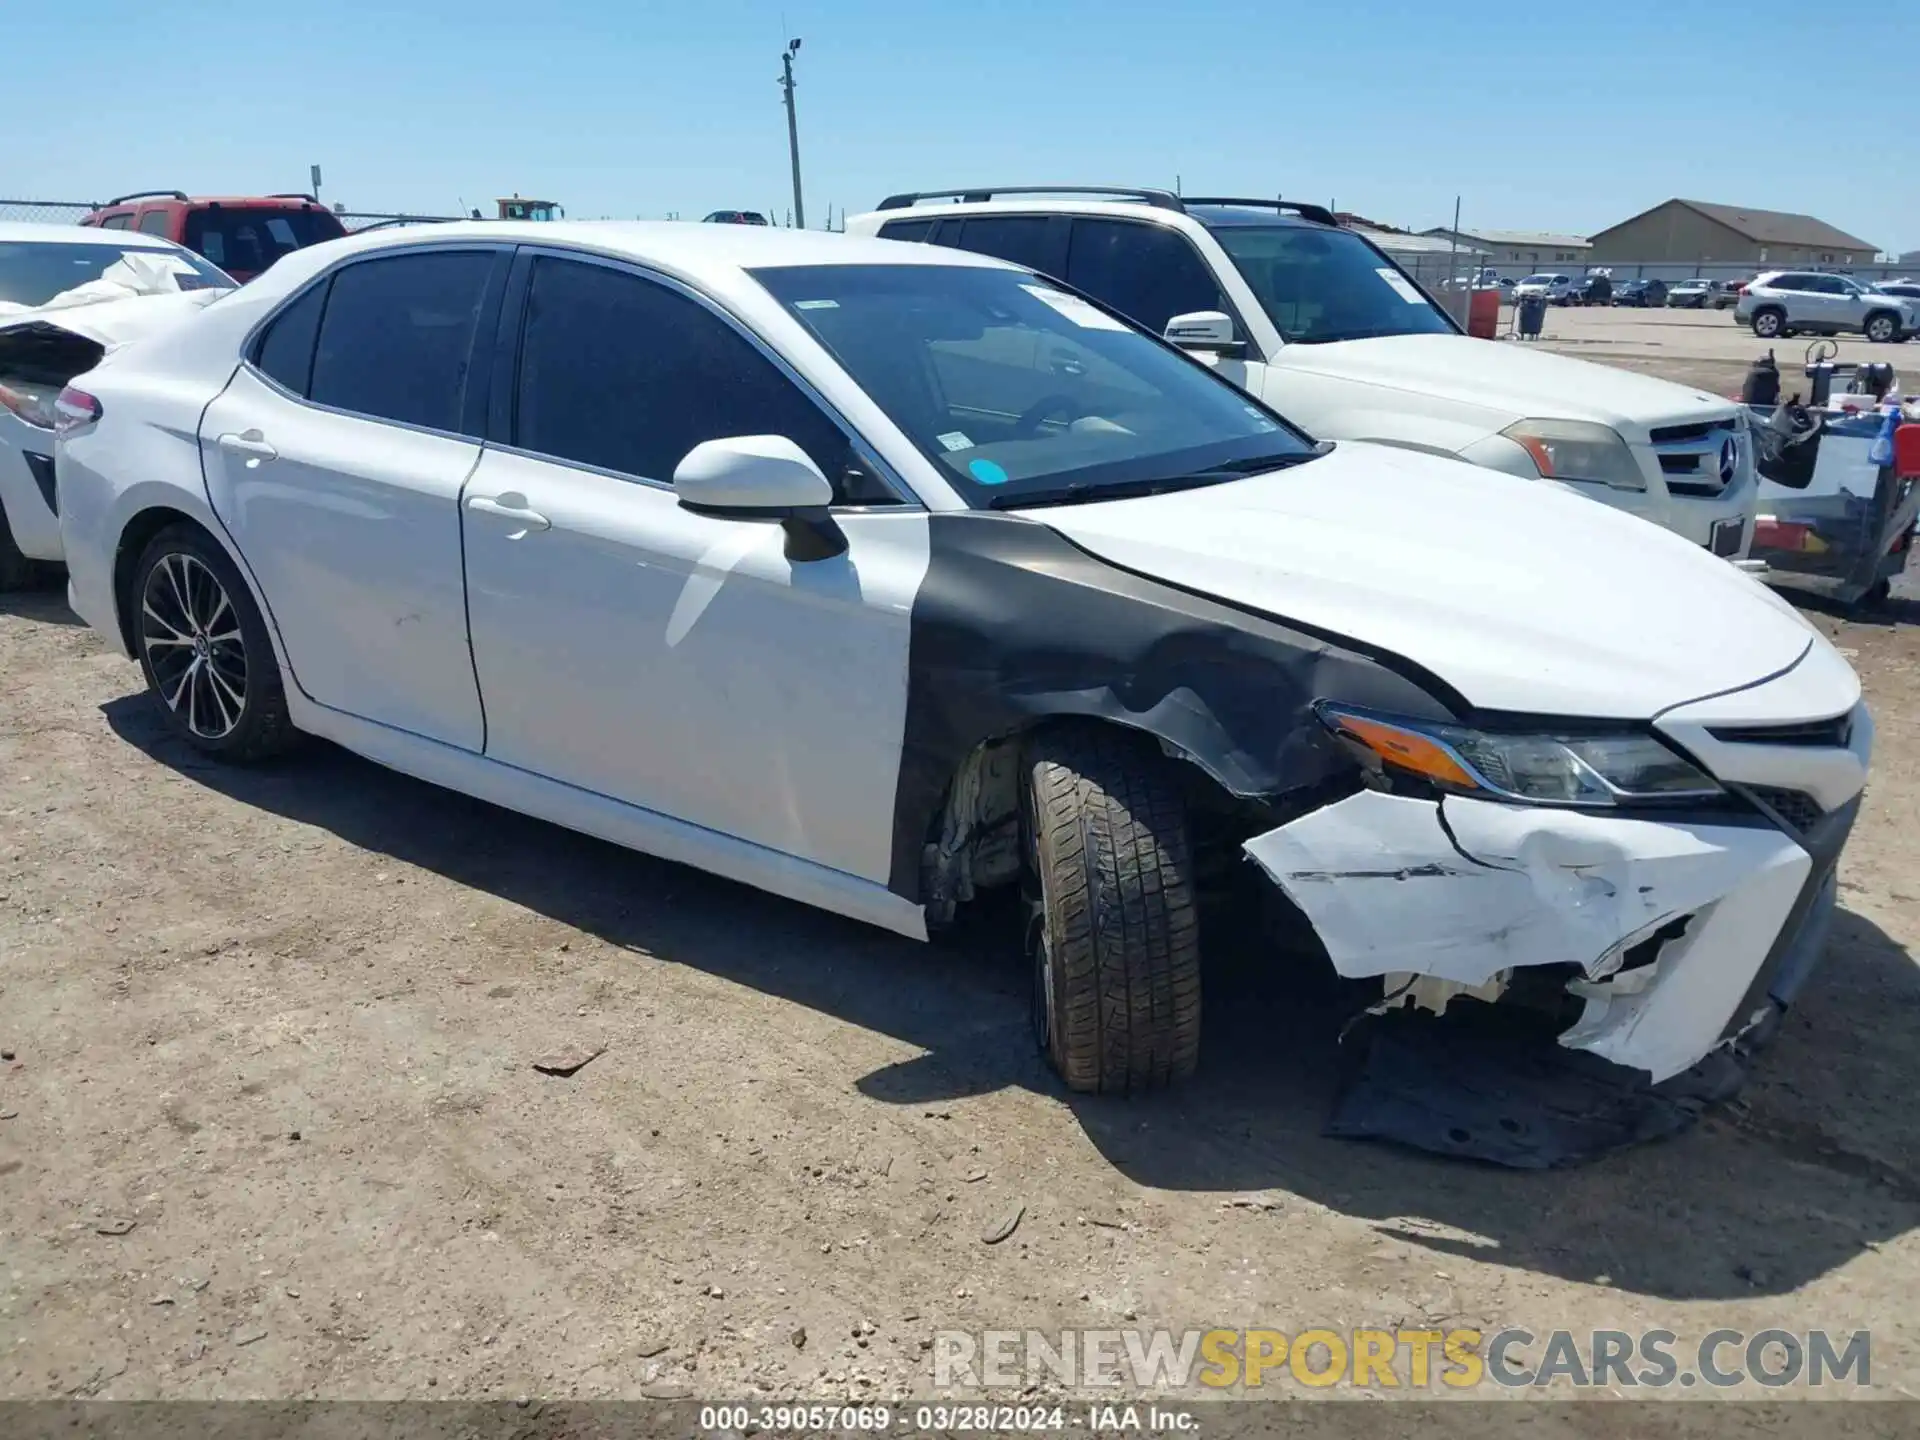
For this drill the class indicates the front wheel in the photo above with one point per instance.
(1115, 936)
(204, 648)
(1882, 328)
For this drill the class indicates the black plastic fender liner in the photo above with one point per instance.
(1014, 624)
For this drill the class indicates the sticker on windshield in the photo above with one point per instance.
(1402, 286)
(1087, 317)
(986, 472)
(1259, 417)
(816, 304)
(954, 440)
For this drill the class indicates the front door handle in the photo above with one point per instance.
(511, 507)
(250, 443)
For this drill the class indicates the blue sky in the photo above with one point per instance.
(641, 109)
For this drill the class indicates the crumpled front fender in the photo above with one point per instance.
(1466, 890)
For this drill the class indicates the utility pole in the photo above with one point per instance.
(793, 130)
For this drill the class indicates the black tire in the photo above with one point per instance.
(174, 600)
(1769, 323)
(1116, 936)
(17, 571)
(1882, 327)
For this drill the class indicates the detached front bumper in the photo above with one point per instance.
(1666, 925)
(1664, 938)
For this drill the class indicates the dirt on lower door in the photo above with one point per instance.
(320, 1082)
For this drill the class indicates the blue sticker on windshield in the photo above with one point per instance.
(986, 472)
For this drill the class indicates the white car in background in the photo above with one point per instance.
(1316, 321)
(1554, 289)
(881, 575)
(64, 302)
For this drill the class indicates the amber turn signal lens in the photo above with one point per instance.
(1404, 750)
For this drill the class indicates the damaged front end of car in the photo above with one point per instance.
(1577, 932)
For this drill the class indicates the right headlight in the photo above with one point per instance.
(1578, 450)
(1594, 771)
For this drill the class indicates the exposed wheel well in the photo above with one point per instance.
(133, 541)
(974, 840)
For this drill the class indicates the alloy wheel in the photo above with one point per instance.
(190, 632)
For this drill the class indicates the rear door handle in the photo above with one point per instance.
(250, 443)
(511, 507)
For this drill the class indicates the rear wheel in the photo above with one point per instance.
(204, 648)
(1114, 934)
(1768, 323)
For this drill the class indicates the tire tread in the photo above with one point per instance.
(1119, 906)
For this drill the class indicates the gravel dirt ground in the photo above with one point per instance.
(271, 1126)
(1708, 348)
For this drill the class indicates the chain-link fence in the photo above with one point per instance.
(46, 212)
(356, 220)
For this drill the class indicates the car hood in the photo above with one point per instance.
(1514, 382)
(1519, 595)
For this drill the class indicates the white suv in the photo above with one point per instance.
(1787, 302)
(1319, 323)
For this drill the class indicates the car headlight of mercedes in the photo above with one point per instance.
(1593, 771)
(1578, 450)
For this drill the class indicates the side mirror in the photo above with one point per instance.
(762, 477)
(1206, 331)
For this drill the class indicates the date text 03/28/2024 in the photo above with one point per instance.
(947, 1419)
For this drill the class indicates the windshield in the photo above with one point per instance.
(248, 239)
(1320, 286)
(1022, 393)
(1538, 280)
(32, 272)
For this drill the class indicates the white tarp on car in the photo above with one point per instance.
(149, 272)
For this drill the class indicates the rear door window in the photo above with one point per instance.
(1147, 272)
(156, 222)
(905, 229)
(397, 337)
(122, 221)
(1035, 241)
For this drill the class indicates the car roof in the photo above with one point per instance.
(14, 231)
(1211, 216)
(1035, 204)
(277, 202)
(709, 253)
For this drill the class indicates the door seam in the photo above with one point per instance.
(466, 592)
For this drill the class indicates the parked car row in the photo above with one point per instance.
(1083, 549)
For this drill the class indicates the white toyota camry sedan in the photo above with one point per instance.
(878, 576)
